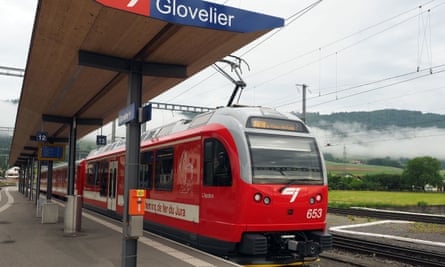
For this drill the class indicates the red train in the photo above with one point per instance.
(247, 183)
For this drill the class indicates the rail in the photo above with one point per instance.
(403, 254)
(389, 214)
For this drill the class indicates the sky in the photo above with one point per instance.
(353, 55)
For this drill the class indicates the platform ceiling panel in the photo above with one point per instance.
(55, 83)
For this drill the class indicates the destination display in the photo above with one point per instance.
(276, 124)
(198, 13)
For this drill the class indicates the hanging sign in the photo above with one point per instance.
(198, 13)
(55, 152)
(42, 137)
(101, 140)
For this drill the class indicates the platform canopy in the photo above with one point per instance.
(190, 34)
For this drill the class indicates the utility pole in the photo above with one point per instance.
(303, 116)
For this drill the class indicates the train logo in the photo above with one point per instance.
(291, 191)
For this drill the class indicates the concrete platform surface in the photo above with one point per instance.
(25, 241)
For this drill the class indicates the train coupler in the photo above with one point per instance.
(304, 248)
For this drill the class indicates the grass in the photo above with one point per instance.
(339, 198)
(360, 169)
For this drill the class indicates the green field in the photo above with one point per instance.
(359, 169)
(338, 198)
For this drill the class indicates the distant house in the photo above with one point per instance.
(12, 172)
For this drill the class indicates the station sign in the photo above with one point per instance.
(54, 152)
(42, 137)
(127, 114)
(145, 113)
(198, 13)
(101, 140)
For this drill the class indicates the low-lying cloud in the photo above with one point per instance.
(355, 141)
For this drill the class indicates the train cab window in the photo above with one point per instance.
(92, 173)
(217, 171)
(278, 159)
(146, 170)
(164, 170)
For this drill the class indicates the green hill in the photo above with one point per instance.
(379, 119)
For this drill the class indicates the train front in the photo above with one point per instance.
(285, 202)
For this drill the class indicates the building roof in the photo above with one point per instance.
(55, 83)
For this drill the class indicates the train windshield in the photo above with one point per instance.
(285, 159)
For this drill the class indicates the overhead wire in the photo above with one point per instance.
(340, 39)
(374, 82)
(291, 19)
(292, 70)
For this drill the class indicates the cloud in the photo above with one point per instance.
(8, 111)
(354, 141)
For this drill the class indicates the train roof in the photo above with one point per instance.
(237, 112)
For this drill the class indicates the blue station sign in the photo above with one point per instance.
(127, 114)
(54, 152)
(198, 13)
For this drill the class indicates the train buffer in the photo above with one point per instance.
(26, 241)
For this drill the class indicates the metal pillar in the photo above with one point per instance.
(39, 172)
(73, 208)
(31, 179)
(133, 138)
(49, 185)
(72, 157)
(27, 178)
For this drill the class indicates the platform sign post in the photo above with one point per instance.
(133, 140)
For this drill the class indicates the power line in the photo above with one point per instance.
(374, 82)
(380, 87)
(291, 19)
(292, 70)
(342, 39)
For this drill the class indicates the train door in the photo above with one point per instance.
(112, 185)
(218, 199)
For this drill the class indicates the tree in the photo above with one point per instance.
(421, 171)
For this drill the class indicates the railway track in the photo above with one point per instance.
(403, 254)
(389, 214)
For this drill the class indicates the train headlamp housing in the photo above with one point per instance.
(317, 199)
(266, 200)
(312, 201)
(257, 197)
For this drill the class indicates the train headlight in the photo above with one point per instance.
(311, 200)
(266, 200)
(318, 198)
(257, 197)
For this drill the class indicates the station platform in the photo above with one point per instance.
(25, 241)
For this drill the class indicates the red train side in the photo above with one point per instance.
(246, 183)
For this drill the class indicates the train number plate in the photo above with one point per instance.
(314, 213)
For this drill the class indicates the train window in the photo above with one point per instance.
(103, 178)
(217, 171)
(285, 159)
(164, 169)
(92, 173)
(146, 170)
